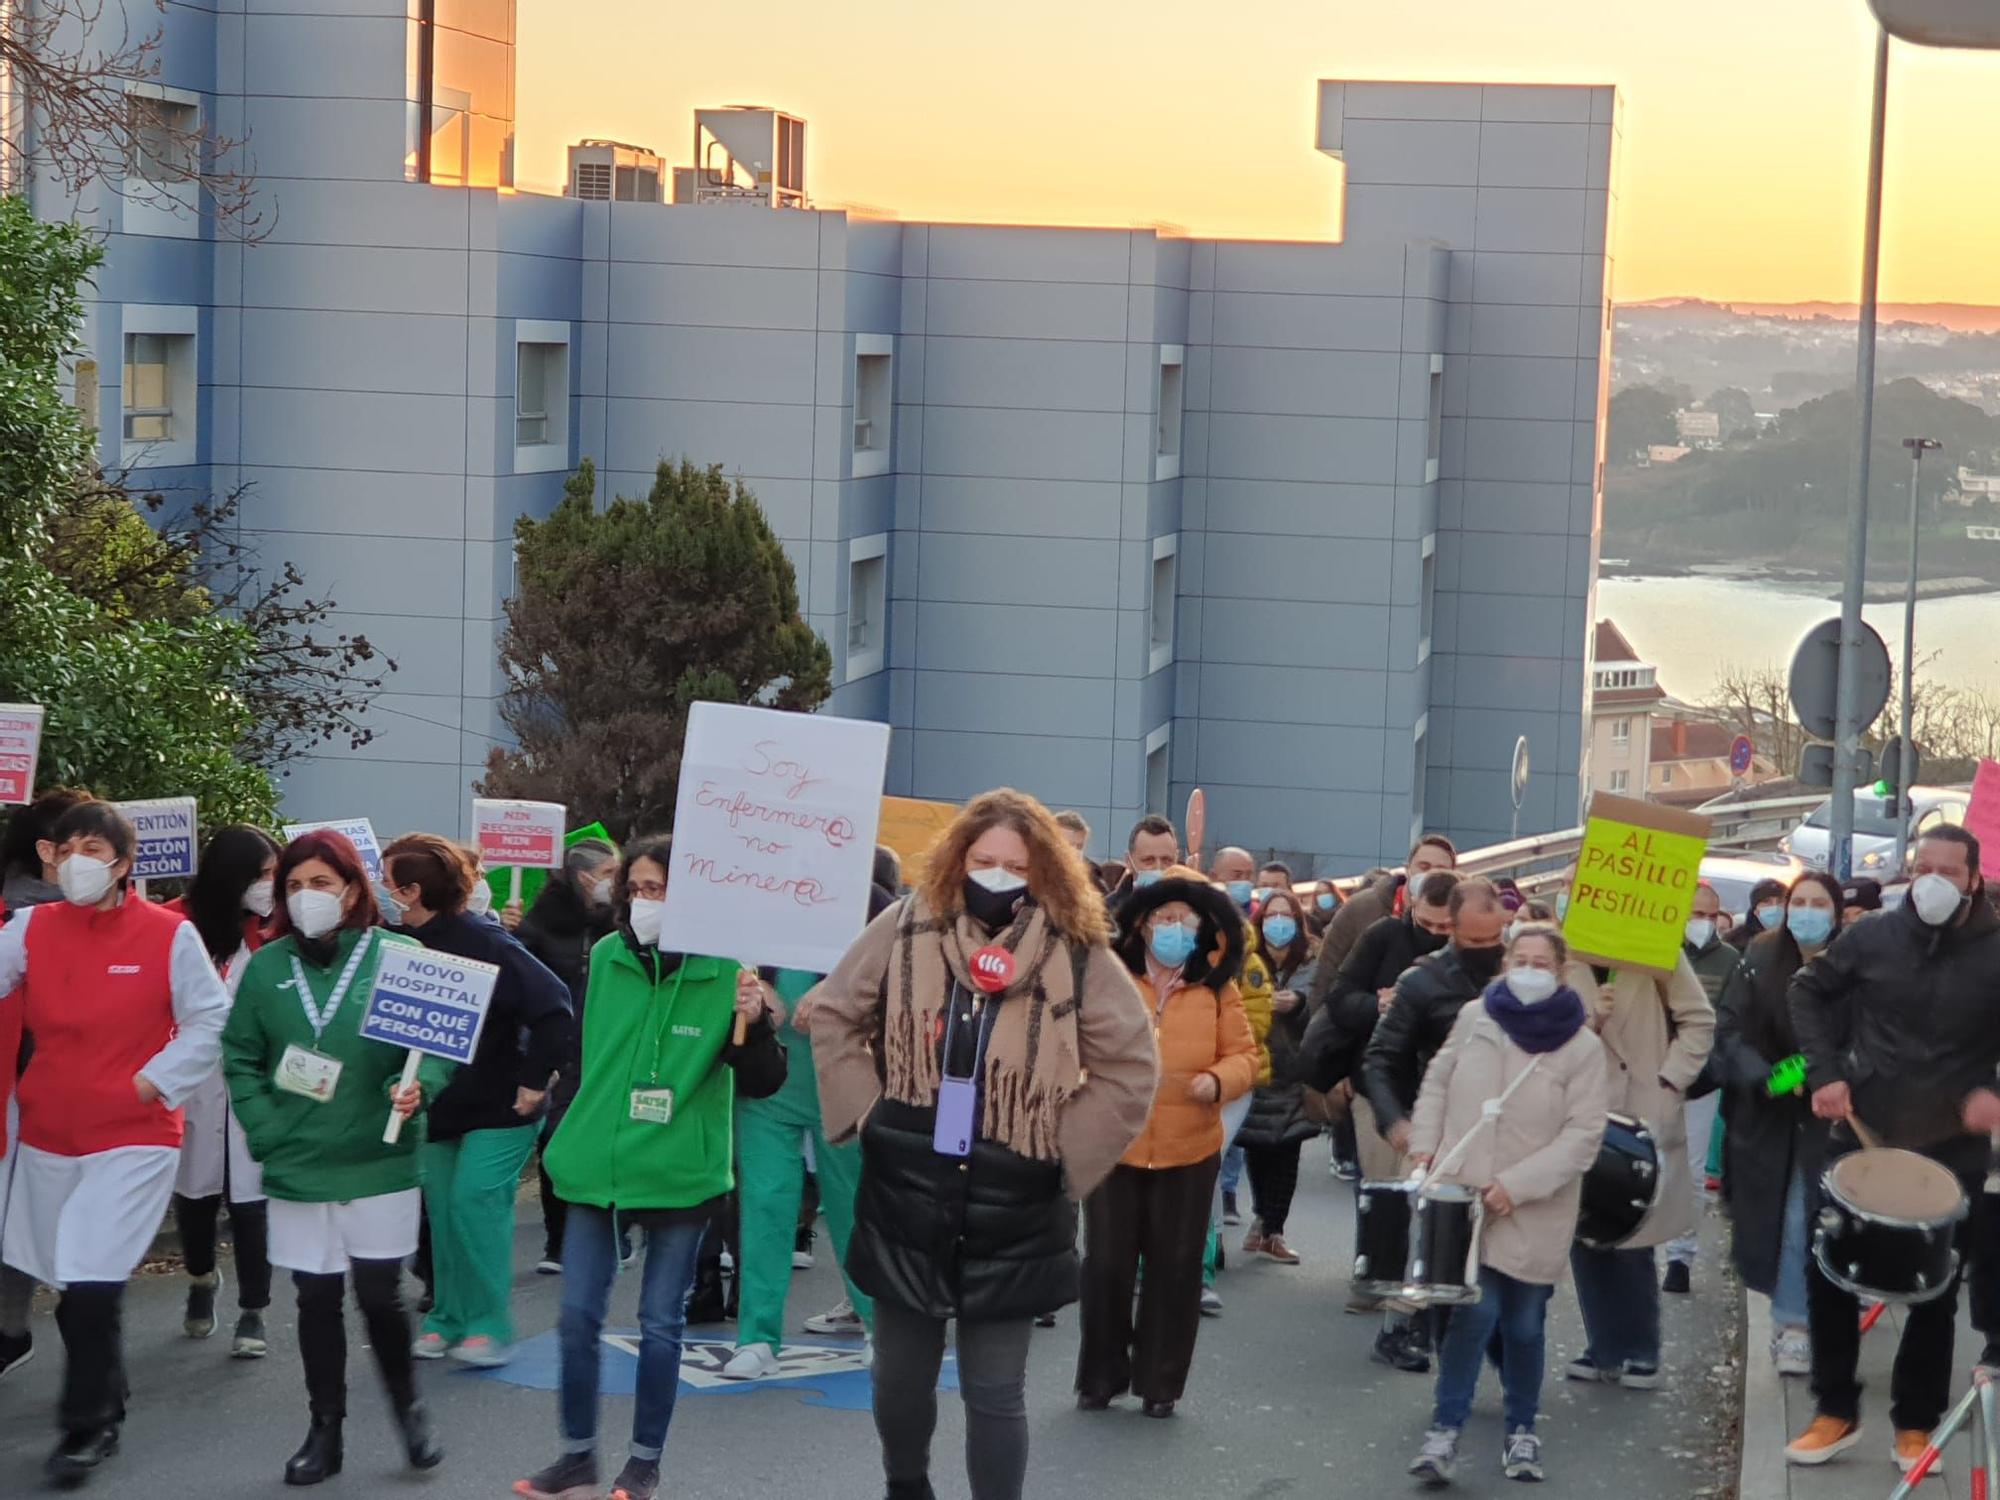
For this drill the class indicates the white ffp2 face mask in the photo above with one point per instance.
(84, 880)
(315, 913)
(646, 917)
(999, 881)
(1700, 932)
(1936, 899)
(480, 902)
(1531, 986)
(260, 899)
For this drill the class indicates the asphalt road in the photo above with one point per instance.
(1284, 1401)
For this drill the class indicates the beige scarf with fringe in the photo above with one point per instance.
(1032, 1062)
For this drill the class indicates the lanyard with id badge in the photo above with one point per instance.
(992, 971)
(307, 1071)
(654, 1105)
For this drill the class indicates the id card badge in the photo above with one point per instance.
(653, 1106)
(952, 1135)
(309, 1074)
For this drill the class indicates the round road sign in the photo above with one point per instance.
(1816, 673)
(1741, 754)
(1520, 771)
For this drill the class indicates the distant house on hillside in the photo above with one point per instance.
(1665, 453)
(1624, 693)
(1688, 762)
(1698, 428)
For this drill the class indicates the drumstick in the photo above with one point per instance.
(1862, 1133)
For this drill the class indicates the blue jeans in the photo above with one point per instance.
(1619, 1293)
(1788, 1297)
(590, 1264)
(1232, 1166)
(1519, 1311)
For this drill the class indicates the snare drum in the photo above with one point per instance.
(1887, 1225)
(1445, 1270)
(1382, 1237)
(1621, 1186)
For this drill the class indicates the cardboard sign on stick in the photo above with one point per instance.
(774, 835)
(20, 748)
(1982, 818)
(519, 833)
(360, 832)
(166, 837)
(429, 1003)
(1635, 877)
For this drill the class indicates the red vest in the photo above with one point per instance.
(99, 1004)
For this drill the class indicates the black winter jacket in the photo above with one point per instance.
(528, 1035)
(1908, 1016)
(560, 929)
(1413, 1029)
(1339, 1034)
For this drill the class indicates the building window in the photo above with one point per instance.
(1420, 774)
(158, 389)
(1173, 402)
(1666, 775)
(162, 188)
(867, 605)
(1163, 595)
(1620, 780)
(460, 91)
(86, 392)
(874, 402)
(149, 397)
(1621, 731)
(541, 396)
(1427, 597)
(1159, 769)
(1434, 421)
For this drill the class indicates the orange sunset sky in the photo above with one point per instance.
(1744, 119)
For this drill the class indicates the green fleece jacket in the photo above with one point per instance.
(644, 1029)
(316, 1152)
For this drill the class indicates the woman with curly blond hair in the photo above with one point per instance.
(996, 1060)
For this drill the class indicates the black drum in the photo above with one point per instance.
(1445, 1270)
(1382, 1237)
(1885, 1230)
(1621, 1186)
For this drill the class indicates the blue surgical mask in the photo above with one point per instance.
(1562, 906)
(1324, 901)
(1279, 931)
(1172, 944)
(1147, 877)
(1811, 925)
(1770, 915)
(1239, 891)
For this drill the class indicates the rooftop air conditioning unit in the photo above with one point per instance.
(745, 154)
(611, 171)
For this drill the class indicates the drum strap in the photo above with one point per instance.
(1449, 1162)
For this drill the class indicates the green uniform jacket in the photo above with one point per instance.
(313, 1152)
(644, 1030)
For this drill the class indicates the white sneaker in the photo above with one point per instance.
(840, 1318)
(751, 1362)
(727, 1261)
(1211, 1303)
(1791, 1351)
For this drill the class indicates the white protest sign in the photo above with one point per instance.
(166, 837)
(20, 747)
(428, 1002)
(359, 831)
(774, 835)
(526, 834)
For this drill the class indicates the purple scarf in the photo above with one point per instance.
(1535, 1028)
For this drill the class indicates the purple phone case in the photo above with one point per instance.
(953, 1133)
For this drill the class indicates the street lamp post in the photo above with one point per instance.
(1905, 804)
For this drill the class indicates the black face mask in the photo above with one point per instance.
(995, 909)
(1428, 941)
(1481, 964)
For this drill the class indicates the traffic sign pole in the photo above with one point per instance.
(1847, 731)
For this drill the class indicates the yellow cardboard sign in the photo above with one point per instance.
(1635, 877)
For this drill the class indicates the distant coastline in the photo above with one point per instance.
(1805, 580)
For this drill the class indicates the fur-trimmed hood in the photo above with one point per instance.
(1220, 944)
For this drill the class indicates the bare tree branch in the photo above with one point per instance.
(80, 91)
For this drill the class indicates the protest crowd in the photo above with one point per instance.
(1019, 1081)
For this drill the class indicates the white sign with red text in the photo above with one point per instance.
(774, 836)
(527, 834)
(20, 747)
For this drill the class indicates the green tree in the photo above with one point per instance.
(1734, 411)
(1640, 416)
(626, 617)
(165, 665)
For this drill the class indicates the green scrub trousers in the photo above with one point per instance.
(469, 1189)
(770, 1181)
